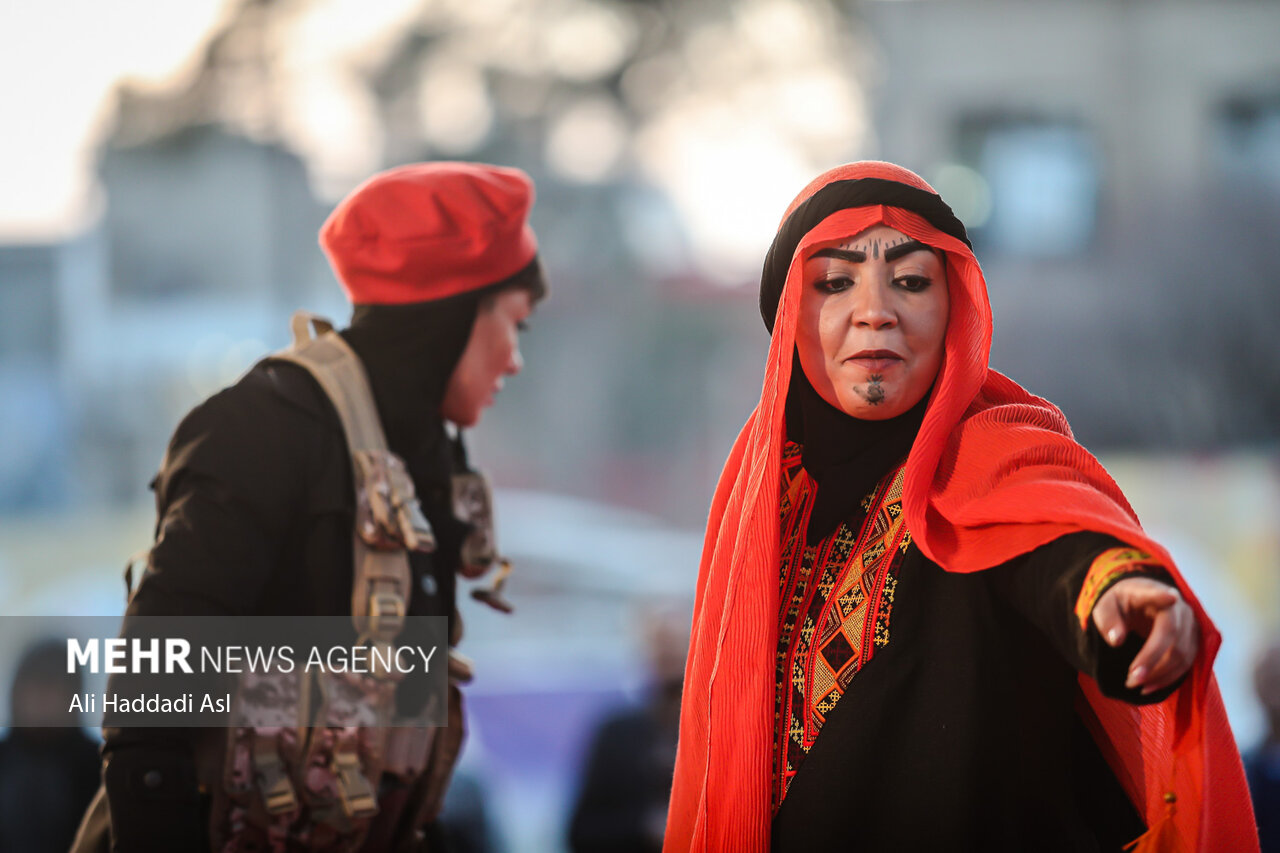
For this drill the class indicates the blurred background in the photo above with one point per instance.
(164, 168)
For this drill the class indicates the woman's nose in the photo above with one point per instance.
(871, 306)
(516, 363)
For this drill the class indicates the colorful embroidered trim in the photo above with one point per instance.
(836, 600)
(1107, 568)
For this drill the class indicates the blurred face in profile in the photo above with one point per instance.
(873, 314)
(492, 352)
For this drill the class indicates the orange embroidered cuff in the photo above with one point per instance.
(1107, 568)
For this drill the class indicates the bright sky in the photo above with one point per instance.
(60, 58)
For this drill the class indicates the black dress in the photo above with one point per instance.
(919, 709)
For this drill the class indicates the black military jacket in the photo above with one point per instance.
(255, 513)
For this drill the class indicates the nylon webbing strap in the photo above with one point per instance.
(380, 588)
(338, 370)
(301, 324)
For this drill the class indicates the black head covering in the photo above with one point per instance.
(409, 352)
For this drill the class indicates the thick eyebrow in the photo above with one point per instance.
(902, 249)
(852, 257)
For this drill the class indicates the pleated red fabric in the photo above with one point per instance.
(994, 473)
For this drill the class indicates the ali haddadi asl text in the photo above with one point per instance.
(112, 703)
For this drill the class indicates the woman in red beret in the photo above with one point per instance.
(926, 618)
(257, 504)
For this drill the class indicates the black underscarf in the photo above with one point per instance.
(846, 456)
(409, 352)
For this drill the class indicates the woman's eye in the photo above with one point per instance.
(522, 326)
(834, 285)
(913, 283)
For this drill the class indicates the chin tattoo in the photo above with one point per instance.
(874, 392)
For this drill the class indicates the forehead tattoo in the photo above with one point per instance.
(871, 248)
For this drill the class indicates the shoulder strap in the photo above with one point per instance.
(381, 578)
(338, 370)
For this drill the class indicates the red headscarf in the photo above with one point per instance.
(994, 473)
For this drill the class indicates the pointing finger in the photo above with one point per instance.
(1108, 618)
(1162, 639)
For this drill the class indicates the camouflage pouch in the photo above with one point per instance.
(473, 503)
(258, 803)
(388, 516)
(343, 759)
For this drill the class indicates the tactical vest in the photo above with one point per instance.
(319, 761)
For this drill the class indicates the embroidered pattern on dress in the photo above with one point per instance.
(835, 606)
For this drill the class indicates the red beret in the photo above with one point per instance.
(430, 230)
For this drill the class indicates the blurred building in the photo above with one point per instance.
(1116, 162)
(205, 243)
(35, 464)
(209, 243)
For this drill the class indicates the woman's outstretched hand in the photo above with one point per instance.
(1158, 612)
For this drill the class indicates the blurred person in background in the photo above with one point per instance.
(47, 775)
(257, 502)
(626, 779)
(1262, 763)
(926, 618)
(466, 822)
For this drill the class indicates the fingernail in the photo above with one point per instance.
(1135, 676)
(1113, 636)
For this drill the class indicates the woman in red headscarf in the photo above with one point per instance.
(926, 618)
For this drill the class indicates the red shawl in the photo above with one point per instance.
(994, 473)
